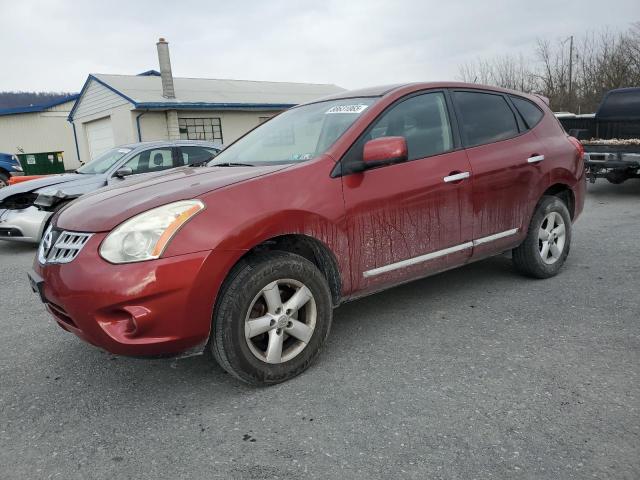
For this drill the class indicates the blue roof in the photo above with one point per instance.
(144, 92)
(179, 105)
(39, 108)
(150, 73)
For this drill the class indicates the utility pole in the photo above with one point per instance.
(570, 64)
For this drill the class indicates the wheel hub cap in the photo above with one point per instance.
(282, 321)
(551, 238)
(277, 337)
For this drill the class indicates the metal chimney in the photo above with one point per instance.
(165, 69)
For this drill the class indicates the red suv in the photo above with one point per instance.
(326, 202)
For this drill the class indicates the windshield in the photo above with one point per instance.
(104, 162)
(296, 135)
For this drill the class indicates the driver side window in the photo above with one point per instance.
(151, 161)
(422, 120)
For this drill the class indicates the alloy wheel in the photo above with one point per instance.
(280, 321)
(551, 238)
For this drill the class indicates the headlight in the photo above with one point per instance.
(17, 167)
(145, 236)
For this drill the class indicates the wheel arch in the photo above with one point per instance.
(314, 250)
(565, 193)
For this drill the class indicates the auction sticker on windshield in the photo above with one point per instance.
(347, 109)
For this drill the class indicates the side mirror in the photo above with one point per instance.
(384, 151)
(123, 172)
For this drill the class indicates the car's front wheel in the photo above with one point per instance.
(273, 315)
(546, 246)
(4, 180)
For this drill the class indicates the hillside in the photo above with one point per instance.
(26, 99)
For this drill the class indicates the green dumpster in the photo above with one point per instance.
(44, 163)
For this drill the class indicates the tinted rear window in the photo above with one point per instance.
(530, 113)
(486, 118)
(620, 105)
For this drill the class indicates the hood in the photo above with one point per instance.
(80, 185)
(106, 208)
(33, 185)
(70, 184)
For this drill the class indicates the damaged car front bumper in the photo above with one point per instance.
(24, 225)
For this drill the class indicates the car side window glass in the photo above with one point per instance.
(529, 112)
(197, 155)
(485, 118)
(423, 122)
(151, 161)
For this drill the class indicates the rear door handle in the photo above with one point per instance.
(535, 159)
(454, 177)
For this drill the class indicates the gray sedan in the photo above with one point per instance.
(25, 208)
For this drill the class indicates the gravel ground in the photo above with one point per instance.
(474, 373)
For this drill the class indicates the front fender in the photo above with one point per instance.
(302, 200)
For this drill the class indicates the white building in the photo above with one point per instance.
(112, 110)
(38, 129)
(117, 109)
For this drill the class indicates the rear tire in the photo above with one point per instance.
(546, 246)
(271, 319)
(616, 179)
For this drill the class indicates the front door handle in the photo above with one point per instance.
(454, 177)
(535, 159)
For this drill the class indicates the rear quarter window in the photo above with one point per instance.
(485, 118)
(530, 113)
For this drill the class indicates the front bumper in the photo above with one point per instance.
(24, 225)
(159, 307)
(15, 173)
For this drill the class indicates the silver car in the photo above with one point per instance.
(25, 208)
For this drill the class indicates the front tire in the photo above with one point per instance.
(272, 318)
(546, 246)
(4, 180)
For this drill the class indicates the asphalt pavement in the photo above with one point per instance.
(474, 373)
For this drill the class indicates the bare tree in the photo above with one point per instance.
(599, 61)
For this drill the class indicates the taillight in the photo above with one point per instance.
(578, 145)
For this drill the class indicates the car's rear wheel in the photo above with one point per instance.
(546, 246)
(4, 180)
(273, 315)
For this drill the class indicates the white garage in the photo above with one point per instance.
(99, 137)
(118, 109)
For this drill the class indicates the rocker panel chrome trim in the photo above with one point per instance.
(439, 253)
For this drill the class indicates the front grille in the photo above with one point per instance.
(61, 246)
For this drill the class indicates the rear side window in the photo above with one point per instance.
(151, 161)
(485, 118)
(197, 155)
(530, 112)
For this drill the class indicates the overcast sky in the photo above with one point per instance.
(53, 45)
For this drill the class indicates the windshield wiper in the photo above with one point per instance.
(232, 164)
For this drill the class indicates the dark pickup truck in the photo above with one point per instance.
(611, 137)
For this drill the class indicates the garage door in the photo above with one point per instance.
(100, 137)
